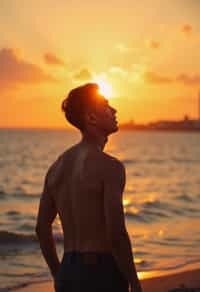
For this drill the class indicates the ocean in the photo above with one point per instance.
(161, 199)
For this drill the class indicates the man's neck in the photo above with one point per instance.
(94, 140)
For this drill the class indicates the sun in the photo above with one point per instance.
(105, 88)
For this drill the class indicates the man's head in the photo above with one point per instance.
(86, 109)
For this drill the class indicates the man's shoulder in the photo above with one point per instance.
(111, 160)
(114, 173)
(112, 163)
(57, 167)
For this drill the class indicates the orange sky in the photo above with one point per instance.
(148, 51)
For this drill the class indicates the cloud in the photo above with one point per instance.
(187, 29)
(153, 44)
(83, 74)
(189, 80)
(153, 77)
(116, 70)
(16, 71)
(185, 79)
(122, 48)
(51, 59)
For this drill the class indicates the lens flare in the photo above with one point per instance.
(105, 88)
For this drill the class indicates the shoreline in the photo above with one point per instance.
(160, 283)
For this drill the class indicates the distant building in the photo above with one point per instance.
(186, 124)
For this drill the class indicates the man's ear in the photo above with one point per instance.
(91, 118)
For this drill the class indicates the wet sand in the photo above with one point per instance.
(190, 279)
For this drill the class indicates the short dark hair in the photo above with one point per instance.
(75, 104)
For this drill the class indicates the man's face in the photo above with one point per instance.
(105, 116)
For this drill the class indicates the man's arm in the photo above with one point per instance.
(46, 215)
(114, 182)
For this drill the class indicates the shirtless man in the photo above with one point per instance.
(85, 187)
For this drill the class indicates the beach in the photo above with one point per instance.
(188, 279)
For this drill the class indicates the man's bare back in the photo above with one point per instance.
(77, 178)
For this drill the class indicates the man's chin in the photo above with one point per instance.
(113, 130)
(116, 128)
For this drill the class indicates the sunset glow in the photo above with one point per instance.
(105, 88)
(151, 68)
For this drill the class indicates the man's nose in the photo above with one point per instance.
(113, 110)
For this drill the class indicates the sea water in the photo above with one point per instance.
(161, 198)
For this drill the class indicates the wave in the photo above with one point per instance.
(149, 211)
(166, 208)
(19, 221)
(192, 212)
(184, 198)
(184, 160)
(13, 213)
(35, 278)
(152, 211)
(2, 195)
(155, 214)
(155, 161)
(187, 211)
(128, 161)
(179, 265)
(169, 243)
(156, 204)
(138, 217)
(172, 239)
(25, 196)
(150, 161)
(146, 216)
(26, 227)
(135, 173)
(28, 196)
(7, 237)
(144, 264)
